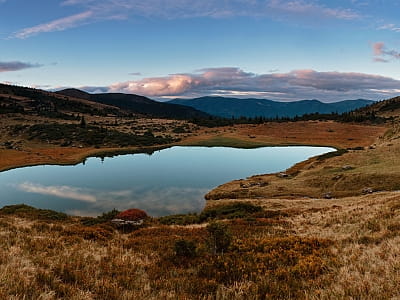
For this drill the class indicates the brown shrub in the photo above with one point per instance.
(94, 233)
(133, 214)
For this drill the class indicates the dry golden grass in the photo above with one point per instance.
(362, 170)
(365, 235)
(313, 133)
(329, 133)
(300, 249)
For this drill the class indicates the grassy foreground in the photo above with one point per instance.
(280, 249)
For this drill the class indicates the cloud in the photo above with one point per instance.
(382, 60)
(381, 54)
(299, 7)
(378, 48)
(294, 85)
(101, 10)
(16, 66)
(56, 25)
(391, 27)
(57, 191)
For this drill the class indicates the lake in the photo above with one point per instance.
(169, 181)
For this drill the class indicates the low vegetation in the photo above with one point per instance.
(234, 259)
(302, 249)
(68, 134)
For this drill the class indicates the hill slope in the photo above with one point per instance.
(28, 100)
(386, 108)
(228, 107)
(138, 104)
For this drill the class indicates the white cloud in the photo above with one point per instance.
(391, 27)
(67, 192)
(56, 25)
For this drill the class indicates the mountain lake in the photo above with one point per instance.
(169, 181)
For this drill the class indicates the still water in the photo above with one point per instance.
(169, 181)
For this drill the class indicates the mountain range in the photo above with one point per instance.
(138, 104)
(235, 107)
(202, 108)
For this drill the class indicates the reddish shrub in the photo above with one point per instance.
(133, 214)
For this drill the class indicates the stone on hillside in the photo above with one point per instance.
(130, 217)
(282, 175)
(347, 167)
(367, 190)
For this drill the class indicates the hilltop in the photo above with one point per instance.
(389, 108)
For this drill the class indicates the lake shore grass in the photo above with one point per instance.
(330, 134)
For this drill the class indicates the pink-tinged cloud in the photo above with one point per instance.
(381, 53)
(378, 48)
(56, 25)
(16, 66)
(171, 85)
(294, 85)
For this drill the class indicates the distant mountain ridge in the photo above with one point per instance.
(235, 107)
(138, 104)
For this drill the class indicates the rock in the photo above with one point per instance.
(367, 190)
(282, 175)
(121, 222)
(337, 177)
(347, 167)
(328, 195)
(251, 184)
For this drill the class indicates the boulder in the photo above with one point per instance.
(132, 216)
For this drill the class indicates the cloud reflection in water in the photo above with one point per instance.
(156, 201)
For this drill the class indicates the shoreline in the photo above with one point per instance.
(34, 156)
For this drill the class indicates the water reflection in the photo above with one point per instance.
(170, 181)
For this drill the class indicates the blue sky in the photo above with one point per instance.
(280, 50)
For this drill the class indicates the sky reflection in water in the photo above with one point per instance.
(170, 181)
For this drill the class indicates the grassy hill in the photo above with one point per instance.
(138, 104)
(28, 100)
(32, 118)
(387, 108)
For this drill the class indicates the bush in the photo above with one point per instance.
(180, 219)
(232, 211)
(339, 152)
(24, 210)
(219, 238)
(133, 214)
(184, 248)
